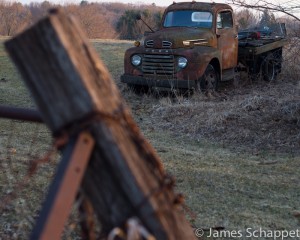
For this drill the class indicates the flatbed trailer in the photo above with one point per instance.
(262, 56)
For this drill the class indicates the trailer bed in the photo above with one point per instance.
(257, 47)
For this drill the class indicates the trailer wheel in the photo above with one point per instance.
(209, 80)
(269, 68)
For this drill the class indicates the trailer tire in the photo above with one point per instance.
(269, 68)
(210, 79)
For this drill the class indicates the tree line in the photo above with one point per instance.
(106, 20)
(99, 20)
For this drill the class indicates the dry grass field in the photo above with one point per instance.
(235, 155)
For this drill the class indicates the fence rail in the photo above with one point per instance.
(20, 114)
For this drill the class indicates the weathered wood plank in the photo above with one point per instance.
(73, 85)
(74, 91)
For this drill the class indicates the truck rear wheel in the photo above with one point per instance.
(209, 80)
(269, 68)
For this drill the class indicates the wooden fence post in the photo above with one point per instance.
(74, 91)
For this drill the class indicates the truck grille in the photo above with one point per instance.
(158, 64)
(150, 43)
(166, 44)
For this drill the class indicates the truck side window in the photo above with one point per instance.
(224, 20)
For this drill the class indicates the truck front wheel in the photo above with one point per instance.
(209, 80)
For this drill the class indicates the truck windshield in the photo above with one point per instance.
(188, 18)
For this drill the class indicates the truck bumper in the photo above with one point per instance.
(164, 83)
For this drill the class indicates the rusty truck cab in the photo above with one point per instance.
(196, 43)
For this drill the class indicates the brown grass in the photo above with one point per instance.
(263, 117)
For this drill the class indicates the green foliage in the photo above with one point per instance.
(83, 2)
(146, 13)
(129, 28)
(127, 25)
(157, 18)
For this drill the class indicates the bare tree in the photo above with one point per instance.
(246, 19)
(293, 27)
(39, 10)
(291, 17)
(94, 19)
(290, 8)
(14, 17)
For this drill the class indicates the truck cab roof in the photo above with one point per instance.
(205, 6)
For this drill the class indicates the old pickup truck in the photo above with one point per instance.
(196, 47)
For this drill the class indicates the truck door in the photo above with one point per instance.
(227, 39)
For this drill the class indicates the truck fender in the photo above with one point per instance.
(208, 56)
(207, 67)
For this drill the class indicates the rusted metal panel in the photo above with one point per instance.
(196, 36)
(228, 45)
(64, 188)
(227, 38)
(164, 83)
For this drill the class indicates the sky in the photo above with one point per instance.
(157, 2)
(163, 3)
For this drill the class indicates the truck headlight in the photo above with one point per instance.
(136, 60)
(182, 62)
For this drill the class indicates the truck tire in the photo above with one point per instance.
(269, 68)
(210, 79)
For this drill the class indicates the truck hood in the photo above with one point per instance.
(179, 37)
